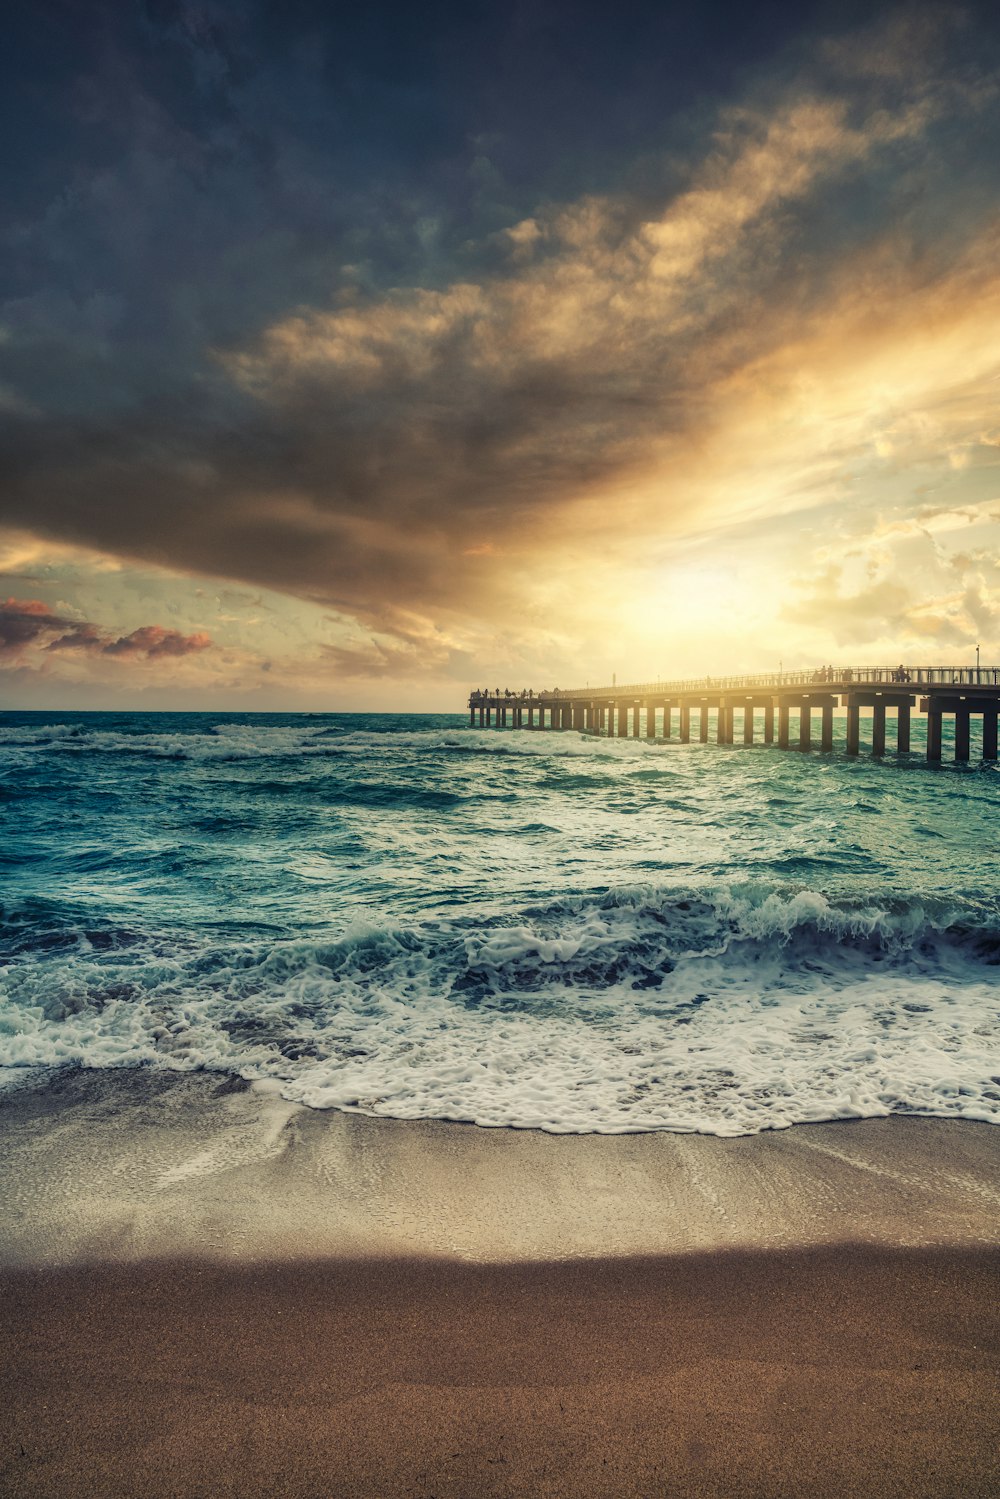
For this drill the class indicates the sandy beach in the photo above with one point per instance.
(206, 1291)
(824, 1372)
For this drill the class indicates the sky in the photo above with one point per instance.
(351, 357)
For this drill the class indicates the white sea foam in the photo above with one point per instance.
(245, 741)
(726, 1011)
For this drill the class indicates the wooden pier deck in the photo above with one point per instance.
(784, 707)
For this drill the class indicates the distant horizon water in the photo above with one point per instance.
(396, 914)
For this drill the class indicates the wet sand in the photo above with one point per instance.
(205, 1292)
(141, 1164)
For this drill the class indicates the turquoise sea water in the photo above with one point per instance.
(406, 916)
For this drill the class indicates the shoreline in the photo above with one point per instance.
(138, 1164)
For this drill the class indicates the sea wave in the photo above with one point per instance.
(725, 1009)
(222, 742)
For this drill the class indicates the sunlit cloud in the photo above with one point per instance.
(25, 623)
(648, 427)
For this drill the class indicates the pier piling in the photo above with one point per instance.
(805, 725)
(853, 726)
(878, 728)
(903, 729)
(783, 725)
(962, 734)
(826, 733)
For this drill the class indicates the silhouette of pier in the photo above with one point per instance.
(792, 710)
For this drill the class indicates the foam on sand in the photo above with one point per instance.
(143, 1164)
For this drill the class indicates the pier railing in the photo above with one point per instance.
(837, 677)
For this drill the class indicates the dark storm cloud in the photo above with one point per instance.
(26, 623)
(345, 307)
(154, 641)
(82, 637)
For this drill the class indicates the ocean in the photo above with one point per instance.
(403, 916)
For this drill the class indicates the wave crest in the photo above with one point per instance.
(725, 1010)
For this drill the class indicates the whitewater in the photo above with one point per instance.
(401, 915)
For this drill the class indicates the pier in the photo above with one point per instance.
(790, 710)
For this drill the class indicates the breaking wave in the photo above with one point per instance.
(725, 1009)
